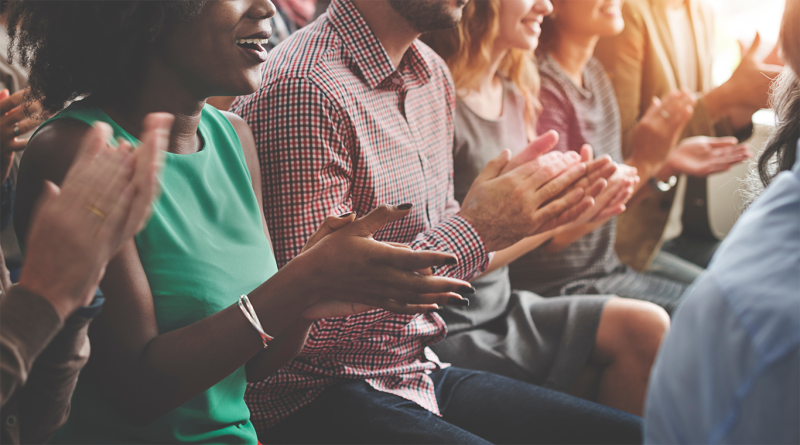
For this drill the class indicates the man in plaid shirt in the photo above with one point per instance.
(353, 113)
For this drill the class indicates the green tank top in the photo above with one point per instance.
(203, 247)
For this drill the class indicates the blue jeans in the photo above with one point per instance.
(477, 407)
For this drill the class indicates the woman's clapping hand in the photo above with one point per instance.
(660, 128)
(352, 273)
(702, 155)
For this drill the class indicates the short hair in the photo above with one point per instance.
(93, 49)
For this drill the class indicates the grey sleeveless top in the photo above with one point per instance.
(477, 141)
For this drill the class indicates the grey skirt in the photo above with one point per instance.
(544, 341)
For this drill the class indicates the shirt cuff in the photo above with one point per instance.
(458, 236)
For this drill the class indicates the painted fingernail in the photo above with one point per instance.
(345, 215)
(451, 261)
(405, 206)
(466, 290)
(464, 302)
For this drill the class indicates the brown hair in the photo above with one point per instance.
(467, 49)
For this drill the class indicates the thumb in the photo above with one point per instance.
(587, 154)
(330, 225)
(494, 167)
(536, 148)
(655, 104)
(751, 52)
(376, 219)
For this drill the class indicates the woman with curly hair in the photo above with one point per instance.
(194, 301)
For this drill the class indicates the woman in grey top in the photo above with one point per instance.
(600, 347)
(579, 102)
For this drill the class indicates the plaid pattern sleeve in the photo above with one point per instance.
(308, 160)
(339, 129)
(307, 169)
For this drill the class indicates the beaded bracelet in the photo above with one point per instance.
(250, 314)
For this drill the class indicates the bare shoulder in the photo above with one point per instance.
(245, 138)
(51, 151)
(48, 157)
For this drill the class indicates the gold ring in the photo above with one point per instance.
(15, 129)
(96, 211)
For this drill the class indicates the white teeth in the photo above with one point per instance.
(258, 41)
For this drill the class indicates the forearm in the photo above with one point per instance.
(568, 236)
(509, 255)
(715, 104)
(44, 401)
(646, 170)
(29, 324)
(176, 366)
(280, 351)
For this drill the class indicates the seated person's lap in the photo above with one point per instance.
(476, 407)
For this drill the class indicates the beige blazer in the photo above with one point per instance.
(641, 63)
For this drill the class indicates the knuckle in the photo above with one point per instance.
(383, 209)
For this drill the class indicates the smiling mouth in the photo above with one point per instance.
(254, 44)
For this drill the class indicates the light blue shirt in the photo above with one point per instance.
(729, 370)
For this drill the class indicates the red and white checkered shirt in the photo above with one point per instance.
(339, 129)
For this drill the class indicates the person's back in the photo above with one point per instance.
(729, 371)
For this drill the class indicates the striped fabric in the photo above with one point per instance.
(587, 115)
(588, 266)
(339, 129)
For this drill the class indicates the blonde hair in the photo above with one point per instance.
(467, 49)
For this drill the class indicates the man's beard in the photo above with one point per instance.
(427, 15)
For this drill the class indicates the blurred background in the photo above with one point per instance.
(737, 21)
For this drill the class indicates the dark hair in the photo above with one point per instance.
(88, 48)
(781, 149)
(547, 37)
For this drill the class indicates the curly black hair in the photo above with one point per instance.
(93, 48)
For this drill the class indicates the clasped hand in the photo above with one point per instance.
(533, 192)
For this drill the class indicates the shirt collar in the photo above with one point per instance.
(369, 56)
